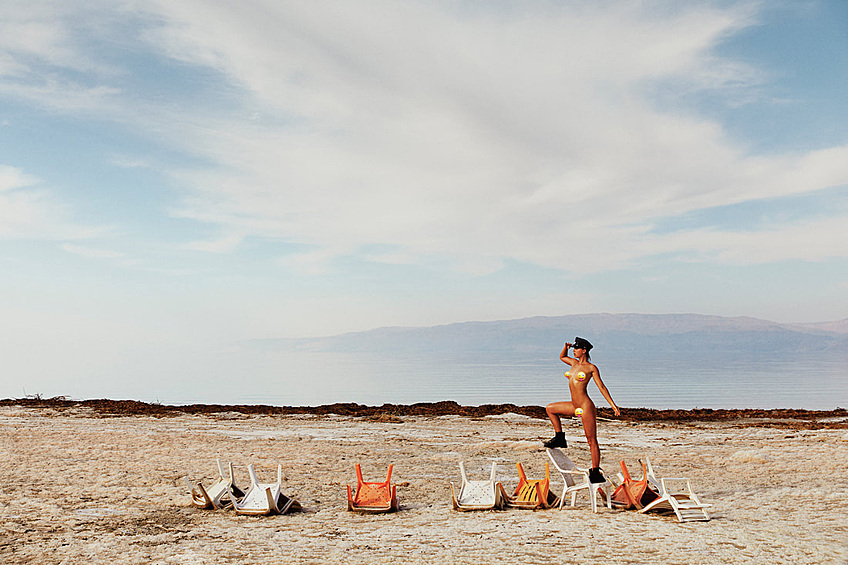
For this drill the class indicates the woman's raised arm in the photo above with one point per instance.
(564, 355)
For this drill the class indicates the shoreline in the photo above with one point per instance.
(774, 417)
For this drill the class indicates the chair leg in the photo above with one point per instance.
(287, 506)
(199, 494)
(233, 501)
(272, 504)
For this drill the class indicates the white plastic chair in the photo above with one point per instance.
(676, 496)
(219, 495)
(265, 498)
(477, 495)
(577, 479)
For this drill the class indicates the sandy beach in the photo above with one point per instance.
(81, 486)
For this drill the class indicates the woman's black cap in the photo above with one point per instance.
(582, 343)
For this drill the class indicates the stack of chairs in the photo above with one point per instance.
(261, 499)
(219, 495)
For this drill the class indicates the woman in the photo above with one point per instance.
(581, 372)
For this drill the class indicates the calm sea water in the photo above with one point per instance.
(322, 378)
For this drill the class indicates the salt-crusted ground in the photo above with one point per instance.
(77, 488)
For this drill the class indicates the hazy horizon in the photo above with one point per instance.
(653, 361)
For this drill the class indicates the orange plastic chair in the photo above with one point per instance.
(632, 493)
(533, 493)
(372, 498)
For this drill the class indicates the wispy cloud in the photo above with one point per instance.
(91, 252)
(12, 178)
(28, 211)
(44, 57)
(812, 240)
(488, 136)
(471, 132)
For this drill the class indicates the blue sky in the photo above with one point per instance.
(176, 177)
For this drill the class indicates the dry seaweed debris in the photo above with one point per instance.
(393, 413)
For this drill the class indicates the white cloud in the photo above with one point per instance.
(91, 252)
(313, 263)
(224, 244)
(12, 178)
(129, 162)
(456, 131)
(806, 241)
(479, 137)
(47, 59)
(30, 212)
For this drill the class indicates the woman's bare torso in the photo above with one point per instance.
(578, 382)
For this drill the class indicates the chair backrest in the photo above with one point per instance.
(563, 464)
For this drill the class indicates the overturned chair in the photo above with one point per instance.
(478, 495)
(263, 499)
(532, 494)
(577, 479)
(372, 498)
(632, 494)
(219, 495)
(675, 495)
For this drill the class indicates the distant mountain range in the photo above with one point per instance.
(615, 337)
